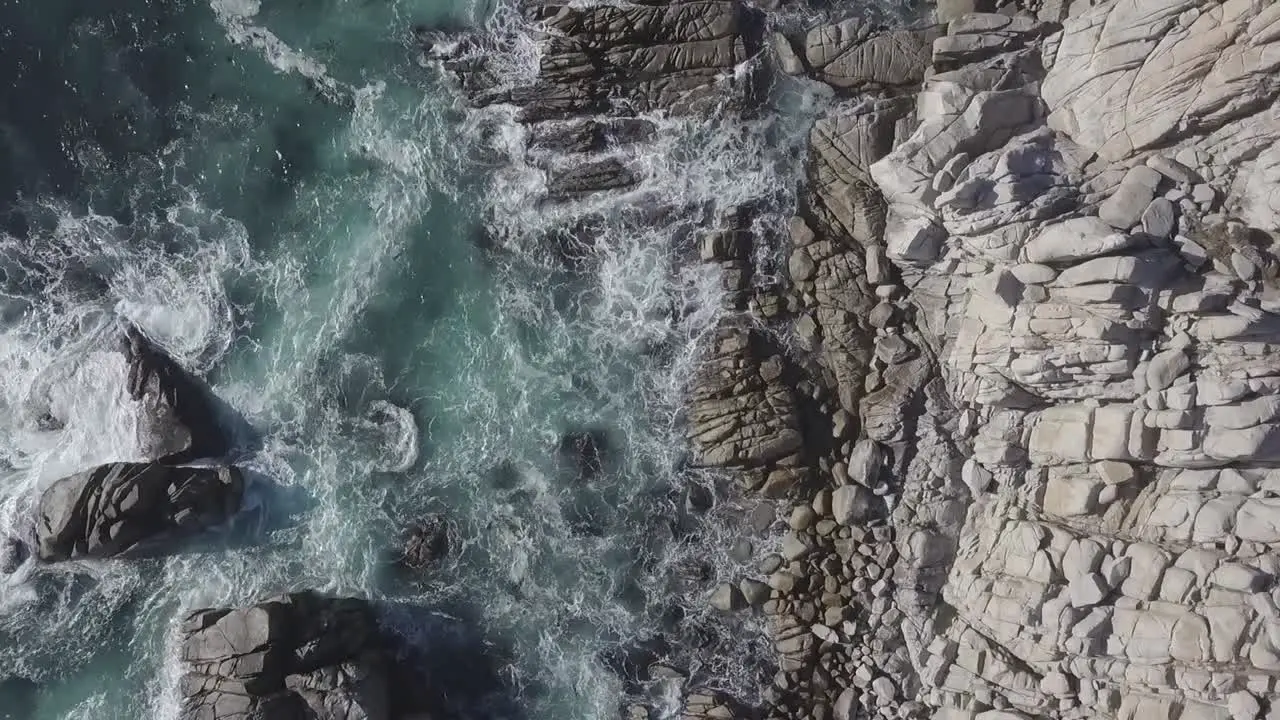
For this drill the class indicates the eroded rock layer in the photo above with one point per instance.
(130, 508)
(1083, 219)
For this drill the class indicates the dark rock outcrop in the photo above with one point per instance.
(13, 552)
(297, 656)
(600, 68)
(308, 656)
(124, 508)
(674, 56)
(583, 452)
(426, 543)
(178, 420)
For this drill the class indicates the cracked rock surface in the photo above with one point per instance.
(129, 508)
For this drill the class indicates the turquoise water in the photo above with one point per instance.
(298, 208)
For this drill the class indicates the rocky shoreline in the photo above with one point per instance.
(1033, 268)
(1022, 463)
(1010, 407)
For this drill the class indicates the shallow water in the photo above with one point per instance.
(299, 210)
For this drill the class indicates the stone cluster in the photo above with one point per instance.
(299, 656)
(131, 509)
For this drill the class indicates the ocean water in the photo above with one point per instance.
(301, 210)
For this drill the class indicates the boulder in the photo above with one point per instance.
(301, 656)
(178, 422)
(851, 504)
(129, 508)
(727, 598)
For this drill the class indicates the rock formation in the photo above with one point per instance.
(600, 67)
(1057, 340)
(177, 422)
(302, 656)
(1026, 438)
(129, 509)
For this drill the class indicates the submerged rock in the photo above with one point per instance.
(299, 656)
(427, 542)
(583, 450)
(119, 508)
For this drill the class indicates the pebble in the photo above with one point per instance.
(822, 503)
(783, 582)
(795, 547)
(884, 690)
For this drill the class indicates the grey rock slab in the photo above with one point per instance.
(1165, 367)
(788, 61)
(1077, 239)
(1087, 590)
(1204, 195)
(1172, 169)
(1124, 208)
(1033, 273)
(1159, 219)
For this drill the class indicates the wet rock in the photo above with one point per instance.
(426, 543)
(754, 592)
(583, 451)
(13, 552)
(851, 504)
(127, 509)
(727, 598)
(178, 421)
(298, 656)
(591, 176)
